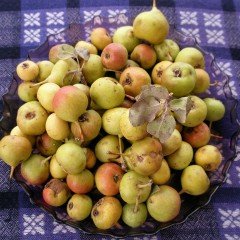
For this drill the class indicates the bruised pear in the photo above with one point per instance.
(158, 71)
(56, 193)
(133, 78)
(46, 145)
(151, 26)
(164, 203)
(87, 126)
(106, 212)
(14, 150)
(35, 170)
(31, 118)
(27, 70)
(167, 50)
(79, 207)
(145, 156)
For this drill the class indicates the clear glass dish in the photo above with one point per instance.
(228, 128)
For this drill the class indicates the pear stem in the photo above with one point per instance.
(216, 83)
(80, 133)
(210, 126)
(181, 192)
(11, 172)
(137, 203)
(47, 159)
(216, 136)
(130, 97)
(123, 164)
(39, 83)
(154, 4)
(145, 185)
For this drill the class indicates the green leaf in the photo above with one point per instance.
(162, 127)
(83, 53)
(181, 107)
(157, 92)
(145, 110)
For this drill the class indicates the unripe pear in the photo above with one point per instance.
(27, 91)
(69, 103)
(107, 92)
(208, 157)
(158, 71)
(191, 56)
(172, 143)
(134, 187)
(106, 212)
(86, 45)
(130, 132)
(35, 170)
(202, 81)
(111, 120)
(151, 26)
(45, 95)
(71, 158)
(57, 128)
(27, 70)
(107, 148)
(134, 217)
(45, 68)
(100, 38)
(93, 69)
(14, 150)
(167, 50)
(31, 118)
(79, 207)
(125, 36)
(56, 170)
(145, 156)
(215, 109)
(162, 175)
(181, 158)
(194, 180)
(179, 78)
(16, 131)
(164, 203)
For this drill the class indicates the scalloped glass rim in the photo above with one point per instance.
(191, 203)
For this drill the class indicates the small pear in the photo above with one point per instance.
(151, 26)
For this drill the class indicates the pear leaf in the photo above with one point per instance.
(83, 53)
(181, 107)
(162, 127)
(144, 110)
(157, 92)
(66, 51)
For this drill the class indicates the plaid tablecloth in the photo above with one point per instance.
(24, 24)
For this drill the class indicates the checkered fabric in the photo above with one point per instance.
(25, 24)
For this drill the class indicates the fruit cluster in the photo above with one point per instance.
(94, 119)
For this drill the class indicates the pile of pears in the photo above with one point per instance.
(74, 137)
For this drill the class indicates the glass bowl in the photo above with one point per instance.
(228, 128)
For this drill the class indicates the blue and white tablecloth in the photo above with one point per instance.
(24, 24)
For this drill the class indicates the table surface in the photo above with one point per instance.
(25, 24)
